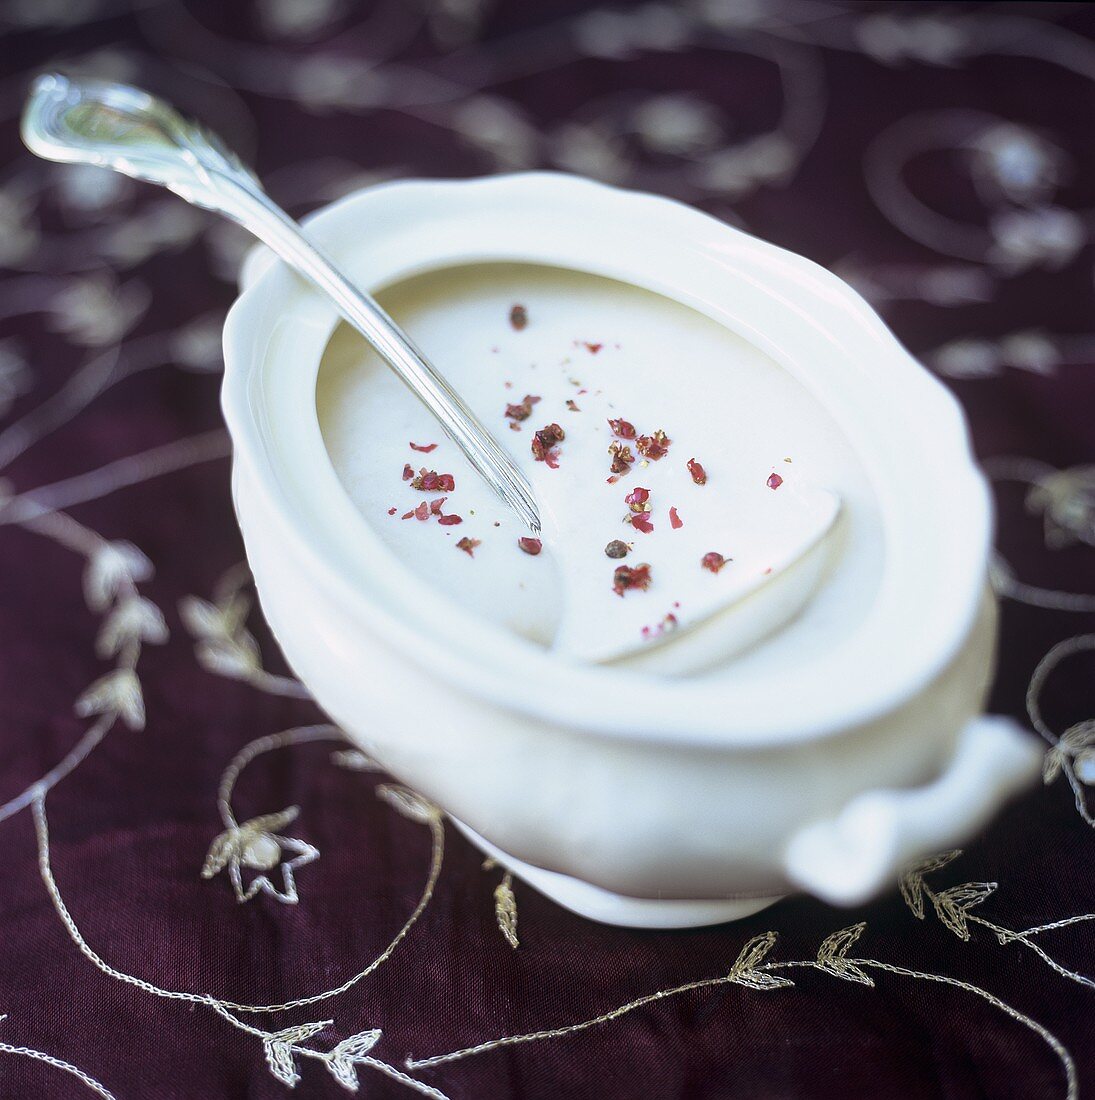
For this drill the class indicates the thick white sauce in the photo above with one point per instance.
(613, 351)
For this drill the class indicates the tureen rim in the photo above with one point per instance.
(488, 661)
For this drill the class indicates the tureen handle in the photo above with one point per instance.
(849, 858)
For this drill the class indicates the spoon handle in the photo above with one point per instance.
(116, 126)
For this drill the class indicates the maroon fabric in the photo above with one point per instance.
(131, 825)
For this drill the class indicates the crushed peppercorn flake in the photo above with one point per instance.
(627, 577)
(424, 448)
(518, 317)
(422, 512)
(622, 428)
(530, 545)
(622, 458)
(430, 481)
(675, 520)
(713, 561)
(617, 548)
(522, 410)
(468, 545)
(638, 500)
(699, 474)
(775, 481)
(543, 444)
(653, 447)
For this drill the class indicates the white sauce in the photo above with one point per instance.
(659, 365)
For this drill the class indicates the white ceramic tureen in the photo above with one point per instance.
(835, 733)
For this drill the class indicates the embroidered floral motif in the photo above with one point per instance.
(257, 845)
(1072, 753)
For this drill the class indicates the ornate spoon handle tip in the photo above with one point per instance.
(126, 129)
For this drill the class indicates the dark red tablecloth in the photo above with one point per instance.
(939, 158)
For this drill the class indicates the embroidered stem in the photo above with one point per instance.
(39, 1056)
(1035, 474)
(94, 378)
(218, 1004)
(75, 756)
(1006, 935)
(402, 1078)
(568, 1029)
(554, 1033)
(67, 532)
(301, 735)
(131, 470)
(437, 853)
(1059, 924)
(1047, 1036)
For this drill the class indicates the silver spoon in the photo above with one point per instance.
(116, 126)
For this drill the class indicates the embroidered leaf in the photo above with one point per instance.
(272, 823)
(758, 979)
(279, 1046)
(836, 946)
(1079, 736)
(1051, 764)
(110, 566)
(1065, 498)
(409, 804)
(300, 1033)
(206, 620)
(220, 852)
(343, 1071)
(202, 618)
(912, 880)
(953, 905)
(279, 1057)
(754, 951)
(505, 909)
(343, 1057)
(234, 610)
(354, 760)
(744, 971)
(117, 693)
(831, 954)
(236, 657)
(135, 619)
